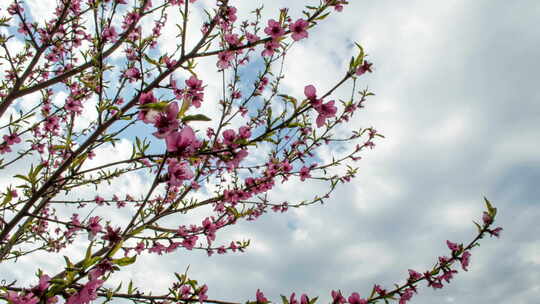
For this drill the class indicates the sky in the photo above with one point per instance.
(457, 99)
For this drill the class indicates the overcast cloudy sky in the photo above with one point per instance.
(457, 97)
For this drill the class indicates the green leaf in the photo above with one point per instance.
(150, 60)
(116, 248)
(89, 262)
(138, 230)
(155, 106)
(491, 210)
(57, 281)
(7, 198)
(322, 16)
(125, 261)
(196, 117)
(294, 125)
(68, 262)
(33, 174)
(22, 177)
(478, 226)
(288, 98)
(185, 106)
(359, 60)
(130, 287)
(284, 299)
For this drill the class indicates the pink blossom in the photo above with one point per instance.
(406, 296)
(99, 200)
(252, 38)
(94, 226)
(495, 232)
(42, 286)
(298, 29)
(166, 122)
(244, 132)
(194, 91)
(304, 173)
(179, 172)
(157, 248)
(465, 260)
(414, 275)
(365, 67)
(224, 59)
(131, 54)
(11, 139)
(129, 19)
(337, 297)
(304, 299)
(452, 246)
(135, 34)
(325, 111)
(274, 29)
(310, 92)
(194, 83)
(229, 136)
(112, 235)
(73, 106)
(140, 247)
(132, 74)
(15, 8)
(379, 290)
(110, 34)
(238, 157)
(486, 218)
(146, 98)
(292, 299)
(232, 39)
(100, 269)
(170, 63)
(354, 298)
(189, 242)
(236, 94)
(221, 250)
(269, 48)
(16, 298)
(447, 275)
(182, 141)
(87, 294)
(260, 297)
(185, 291)
(231, 13)
(338, 4)
(202, 293)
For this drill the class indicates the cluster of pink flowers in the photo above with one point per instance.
(194, 91)
(109, 34)
(276, 31)
(325, 110)
(34, 295)
(9, 140)
(337, 4)
(261, 85)
(133, 74)
(87, 294)
(179, 172)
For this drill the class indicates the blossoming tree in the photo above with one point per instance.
(103, 57)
